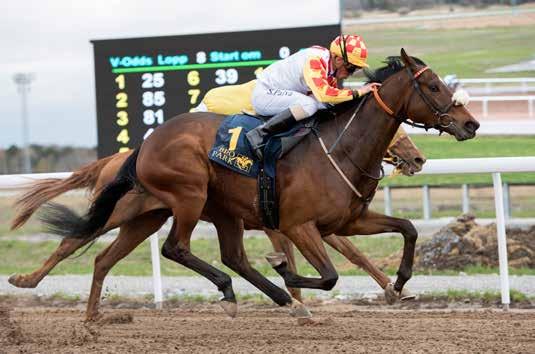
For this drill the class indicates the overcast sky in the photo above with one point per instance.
(51, 40)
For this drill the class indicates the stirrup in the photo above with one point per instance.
(259, 152)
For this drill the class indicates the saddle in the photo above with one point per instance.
(232, 150)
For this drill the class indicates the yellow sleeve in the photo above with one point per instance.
(315, 74)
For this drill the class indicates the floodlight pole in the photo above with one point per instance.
(23, 81)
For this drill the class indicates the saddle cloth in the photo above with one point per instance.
(232, 150)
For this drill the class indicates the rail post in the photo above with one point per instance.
(388, 200)
(507, 201)
(502, 242)
(156, 273)
(466, 199)
(426, 198)
(485, 108)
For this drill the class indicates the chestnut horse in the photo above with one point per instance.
(402, 153)
(173, 166)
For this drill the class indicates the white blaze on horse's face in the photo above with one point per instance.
(460, 97)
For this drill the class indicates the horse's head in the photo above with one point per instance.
(405, 156)
(430, 102)
(415, 93)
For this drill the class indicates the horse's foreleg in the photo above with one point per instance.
(282, 244)
(374, 223)
(307, 239)
(67, 247)
(131, 234)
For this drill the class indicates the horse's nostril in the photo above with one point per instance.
(471, 126)
(419, 161)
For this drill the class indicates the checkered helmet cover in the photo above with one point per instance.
(354, 48)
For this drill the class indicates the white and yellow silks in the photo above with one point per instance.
(236, 99)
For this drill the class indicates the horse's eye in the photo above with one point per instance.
(434, 88)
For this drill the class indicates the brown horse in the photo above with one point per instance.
(402, 153)
(173, 166)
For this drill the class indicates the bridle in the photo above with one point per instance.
(437, 111)
(444, 119)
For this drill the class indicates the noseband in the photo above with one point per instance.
(444, 120)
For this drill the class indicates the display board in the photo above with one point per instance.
(141, 82)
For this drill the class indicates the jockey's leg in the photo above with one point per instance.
(281, 122)
(288, 107)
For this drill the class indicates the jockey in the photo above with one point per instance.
(236, 99)
(294, 88)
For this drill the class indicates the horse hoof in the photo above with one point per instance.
(297, 309)
(276, 258)
(406, 295)
(20, 282)
(230, 308)
(391, 295)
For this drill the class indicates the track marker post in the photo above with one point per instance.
(156, 273)
(502, 241)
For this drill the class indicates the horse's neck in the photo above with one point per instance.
(366, 139)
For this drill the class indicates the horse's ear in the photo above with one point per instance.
(407, 60)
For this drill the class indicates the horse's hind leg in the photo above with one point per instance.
(282, 244)
(67, 247)
(177, 248)
(131, 234)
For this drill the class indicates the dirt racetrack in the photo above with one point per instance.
(204, 328)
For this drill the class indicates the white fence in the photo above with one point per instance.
(489, 81)
(523, 83)
(524, 88)
(495, 166)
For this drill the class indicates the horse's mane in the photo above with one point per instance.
(393, 65)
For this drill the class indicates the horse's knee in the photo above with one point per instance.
(98, 258)
(409, 231)
(229, 262)
(176, 254)
(330, 282)
(102, 265)
(234, 263)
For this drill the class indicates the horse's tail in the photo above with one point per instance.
(62, 221)
(45, 190)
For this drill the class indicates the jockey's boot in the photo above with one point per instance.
(277, 124)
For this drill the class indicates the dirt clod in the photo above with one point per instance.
(11, 332)
(120, 318)
(464, 243)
